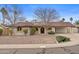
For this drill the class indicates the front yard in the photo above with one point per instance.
(35, 39)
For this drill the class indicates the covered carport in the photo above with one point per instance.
(62, 27)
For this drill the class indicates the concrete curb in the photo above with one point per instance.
(16, 46)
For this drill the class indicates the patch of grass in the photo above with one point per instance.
(61, 39)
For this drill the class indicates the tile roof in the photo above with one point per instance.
(54, 24)
(61, 24)
(23, 24)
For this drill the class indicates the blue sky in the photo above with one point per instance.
(65, 10)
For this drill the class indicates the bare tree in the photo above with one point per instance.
(7, 14)
(16, 13)
(46, 14)
(34, 20)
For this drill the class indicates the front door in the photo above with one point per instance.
(42, 30)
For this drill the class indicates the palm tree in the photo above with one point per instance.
(71, 19)
(63, 19)
(5, 14)
(11, 14)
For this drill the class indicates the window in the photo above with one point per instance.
(19, 28)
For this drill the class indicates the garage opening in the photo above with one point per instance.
(60, 30)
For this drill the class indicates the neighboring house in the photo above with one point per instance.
(42, 28)
(5, 29)
(77, 26)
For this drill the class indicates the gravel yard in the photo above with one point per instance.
(35, 39)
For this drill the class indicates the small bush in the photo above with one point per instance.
(62, 39)
(51, 32)
(32, 31)
(25, 31)
(49, 28)
(1, 31)
(10, 31)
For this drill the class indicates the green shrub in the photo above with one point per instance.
(25, 31)
(1, 31)
(51, 32)
(62, 39)
(10, 31)
(32, 31)
(50, 28)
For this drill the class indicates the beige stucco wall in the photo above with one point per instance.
(69, 29)
(21, 32)
(18, 32)
(57, 30)
(65, 30)
(53, 29)
(72, 30)
(24, 28)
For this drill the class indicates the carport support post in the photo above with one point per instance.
(28, 31)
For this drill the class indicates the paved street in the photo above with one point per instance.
(61, 50)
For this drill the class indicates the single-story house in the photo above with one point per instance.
(42, 28)
(5, 29)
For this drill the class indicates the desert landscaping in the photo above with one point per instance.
(41, 31)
